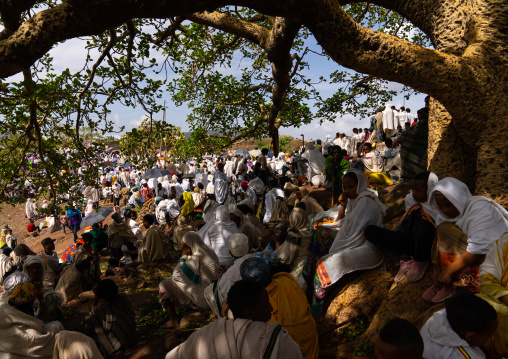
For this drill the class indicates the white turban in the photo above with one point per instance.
(33, 260)
(12, 281)
(238, 244)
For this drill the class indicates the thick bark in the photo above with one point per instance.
(467, 73)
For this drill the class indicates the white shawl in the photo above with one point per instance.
(350, 250)
(476, 212)
(236, 339)
(480, 218)
(218, 235)
(24, 336)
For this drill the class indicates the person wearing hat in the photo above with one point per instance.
(217, 292)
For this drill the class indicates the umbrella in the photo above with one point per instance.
(241, 152)
(255, 153)
(192, 162)
(126, 164)
(95, 217)
(156, 173)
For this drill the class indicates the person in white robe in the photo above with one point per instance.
(270, 198)
(218, 236)
(410, 116)
(402, 116)
(388, 121)
(250, 194)
(198, 195)
(173, 207)
(371, 159)
(221, 184)
(201, 177)
(466, 228)
(228, 168)
(248, 336)
(216, 293)
(350, 251)
(166, 184)
(5, 265)
(186, 184)
(343, 141)
(442, 341)
(326, 145)
(30, 208)
(316, 161)
(135, 226)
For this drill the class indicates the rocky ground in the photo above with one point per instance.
(360, 303)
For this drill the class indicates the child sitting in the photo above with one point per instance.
(459, 331)
(399, 339)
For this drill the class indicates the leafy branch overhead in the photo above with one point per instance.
(242, 67)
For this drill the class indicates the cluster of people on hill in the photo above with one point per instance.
(262, 253)
(34, 288)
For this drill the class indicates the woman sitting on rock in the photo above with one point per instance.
(350, 250)
(467, 226)
(411, 244)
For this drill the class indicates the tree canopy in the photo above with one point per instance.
(423, 44)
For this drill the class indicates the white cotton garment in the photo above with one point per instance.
(316, 160)
(481, 219)
(217, 237)
(350, 250)
(270, 198)
(442, 342)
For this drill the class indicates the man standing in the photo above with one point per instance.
(116, 193)
(379, 124)
(336, 142)
(221, 183)
(388, 121)
(402, 117)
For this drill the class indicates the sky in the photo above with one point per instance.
(71, 54)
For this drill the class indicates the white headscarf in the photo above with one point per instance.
(222, 214)
(472, 217)
(33, 260)
(431, 182)
(12, 281)
(364, 189)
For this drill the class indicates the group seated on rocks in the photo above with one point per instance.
(265, 259)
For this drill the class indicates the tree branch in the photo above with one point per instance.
(170, 31)
(248, 30)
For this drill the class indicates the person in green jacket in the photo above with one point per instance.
(100, 238)
(335, 166)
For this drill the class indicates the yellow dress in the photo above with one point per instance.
(494, 285)
(378, 179)
(292, 311)
(188, 206)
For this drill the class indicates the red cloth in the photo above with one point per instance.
(31, 227)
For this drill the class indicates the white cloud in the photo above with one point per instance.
(137, 123)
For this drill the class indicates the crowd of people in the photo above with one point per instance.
(262, 253)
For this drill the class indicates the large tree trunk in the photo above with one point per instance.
(448, 154)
